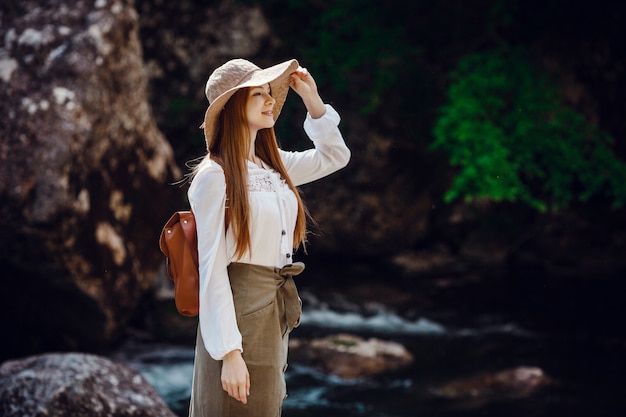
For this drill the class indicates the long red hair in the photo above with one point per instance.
(229, 148)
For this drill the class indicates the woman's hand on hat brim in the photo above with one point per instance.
(302, 82)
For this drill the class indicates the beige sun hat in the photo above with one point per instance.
(239, 73)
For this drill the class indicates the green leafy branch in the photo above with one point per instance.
(507, 131)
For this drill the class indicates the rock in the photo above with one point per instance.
(348, 356)
(477, 390)
(83, 174)
(74, 384)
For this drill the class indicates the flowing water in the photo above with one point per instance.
(457, 353)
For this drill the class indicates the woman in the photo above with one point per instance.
(249, 219)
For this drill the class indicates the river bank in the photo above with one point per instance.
(463, 331)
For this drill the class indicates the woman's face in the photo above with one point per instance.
(259, 108)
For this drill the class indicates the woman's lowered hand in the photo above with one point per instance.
(235, 376)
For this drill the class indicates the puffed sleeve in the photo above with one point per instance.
(329, 155)
(218, 323)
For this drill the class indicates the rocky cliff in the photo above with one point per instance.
(83, 169)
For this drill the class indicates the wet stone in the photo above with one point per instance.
(75, 384)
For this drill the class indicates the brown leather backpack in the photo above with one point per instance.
(179, 244)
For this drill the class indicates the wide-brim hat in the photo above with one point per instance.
(239, 73)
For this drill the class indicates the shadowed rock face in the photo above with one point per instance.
(83, 170)
(76, 385)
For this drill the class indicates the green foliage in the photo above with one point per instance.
(507, 130)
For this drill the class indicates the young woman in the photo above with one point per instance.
(249, 219)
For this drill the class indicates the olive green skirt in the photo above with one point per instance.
(267, 308)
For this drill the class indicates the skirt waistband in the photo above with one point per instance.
(260, 282)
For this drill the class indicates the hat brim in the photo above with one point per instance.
(276, 76)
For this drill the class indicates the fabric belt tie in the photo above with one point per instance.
(289, 303)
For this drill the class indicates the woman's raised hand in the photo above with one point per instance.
(303, 84)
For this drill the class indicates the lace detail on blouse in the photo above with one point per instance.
(263, 182)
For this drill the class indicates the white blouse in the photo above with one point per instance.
(273, 211)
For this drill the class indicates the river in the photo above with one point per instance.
(466, 331)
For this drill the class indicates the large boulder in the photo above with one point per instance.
(83, 174)
(74, 384)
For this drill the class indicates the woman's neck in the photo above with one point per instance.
(251, 153)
